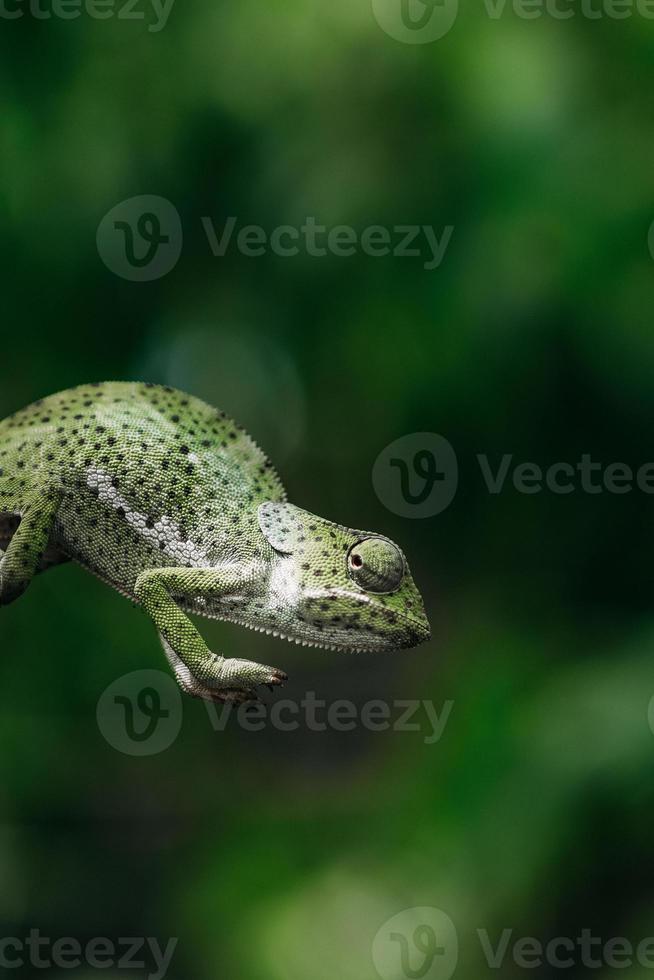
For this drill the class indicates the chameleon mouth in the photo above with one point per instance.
(378, 644)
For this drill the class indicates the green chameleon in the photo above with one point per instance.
(170, 502)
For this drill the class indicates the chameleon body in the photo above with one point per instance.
(171, 503)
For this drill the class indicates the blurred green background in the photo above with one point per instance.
(278, 856)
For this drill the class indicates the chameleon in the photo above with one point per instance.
(171, 503)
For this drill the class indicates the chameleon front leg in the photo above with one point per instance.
(24, 554)
(198, 671)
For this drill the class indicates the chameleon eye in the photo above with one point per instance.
(376, 565)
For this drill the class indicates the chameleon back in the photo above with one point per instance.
(168, 480)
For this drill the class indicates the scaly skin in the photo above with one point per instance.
(171, 503)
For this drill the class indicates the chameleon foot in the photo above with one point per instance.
(272, 678)
(222, 680)
(240, 675)
(250, 675)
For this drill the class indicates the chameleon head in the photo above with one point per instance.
(336, 587)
